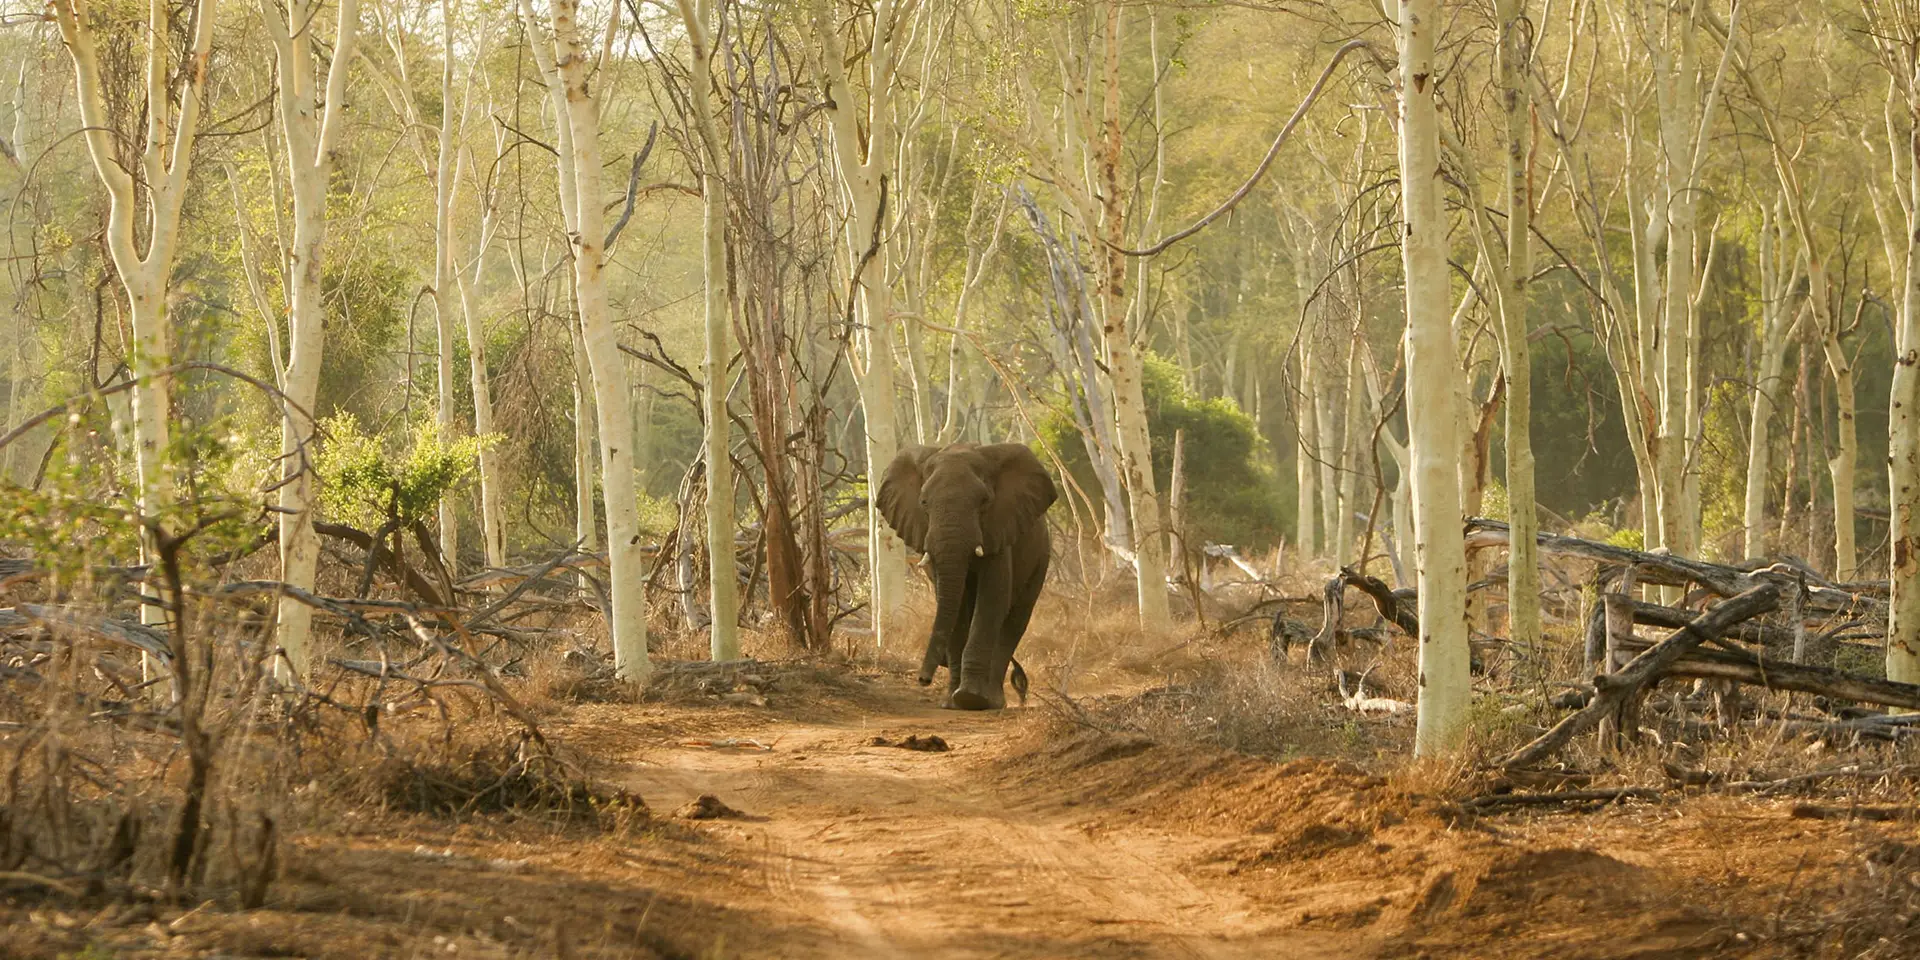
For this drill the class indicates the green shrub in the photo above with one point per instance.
(362, 481)
(1233, 493)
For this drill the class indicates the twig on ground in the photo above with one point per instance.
(1608, 795)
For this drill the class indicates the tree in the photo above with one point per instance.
(310, 120)
(492, 525)
(1898, 33)
(724, 590)
(1780, 275)
(565, 66)
(1523, 565)
(1123, 360)
(863, 148)
(1432, 396)
(165, 160)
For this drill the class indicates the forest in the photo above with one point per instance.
(1432, 450)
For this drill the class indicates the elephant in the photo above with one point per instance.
(978, 513)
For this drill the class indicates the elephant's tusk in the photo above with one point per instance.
(979, 551)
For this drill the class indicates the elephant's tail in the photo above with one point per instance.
(1020, 682)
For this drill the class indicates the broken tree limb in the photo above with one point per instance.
(1616, 689)
(1396, 608)
(1664, 569)
(1720, 664)
(1358, 701)
(420, 585)
(1778, 640)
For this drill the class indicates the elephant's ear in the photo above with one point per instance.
(1022, 492)
(899, 496)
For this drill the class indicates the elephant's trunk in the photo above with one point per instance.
(948, 562)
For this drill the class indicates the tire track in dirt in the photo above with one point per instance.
(884, 853)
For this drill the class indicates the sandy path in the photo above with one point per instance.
(895, 853)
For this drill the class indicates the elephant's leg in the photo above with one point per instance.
(955, 644)
(940, 651)
(982, 671)
(1025, 595)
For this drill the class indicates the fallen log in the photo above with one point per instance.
(1665, 569)
(1776, 639)
(1847, 731)
(1720, 664)
(1818, 776)
(1611, 691)
(126, 632)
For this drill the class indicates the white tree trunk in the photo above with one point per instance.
(443, 285)
(310, 121)
(1432, 397)
(723, 580)
(492, 528)
(863, 145)
(586, 526)
(1402, 547)
(1353, 457)
(585, 518)
(1523, 565)
(1841, 466)
(1306, 473)
(1672, 49)
(571, 55)
(1779, 275)
(165, 159)
(1124, 367)
(1324, 403)
(1903, 462)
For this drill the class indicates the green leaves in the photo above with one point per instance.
(363, 481)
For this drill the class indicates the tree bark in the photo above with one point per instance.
(586, 526)
(444, 281)
(1307, 443)
(1673, 57)
(165, 161)
(1903, 461)
(1353, 447)
(1123, 361)
(492, 528)
(1523, 565)
(865, 161)
(1779, 275)
(311, 121)
(570, 56)
(1433, 401)
(723, 580)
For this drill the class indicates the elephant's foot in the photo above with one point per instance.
(964, 699)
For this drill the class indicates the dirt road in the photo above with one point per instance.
(1031, 838)
(900, 853)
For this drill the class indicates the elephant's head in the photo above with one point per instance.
(960, 502)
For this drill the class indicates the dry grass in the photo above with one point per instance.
(1872, 912)
(1092, 664)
